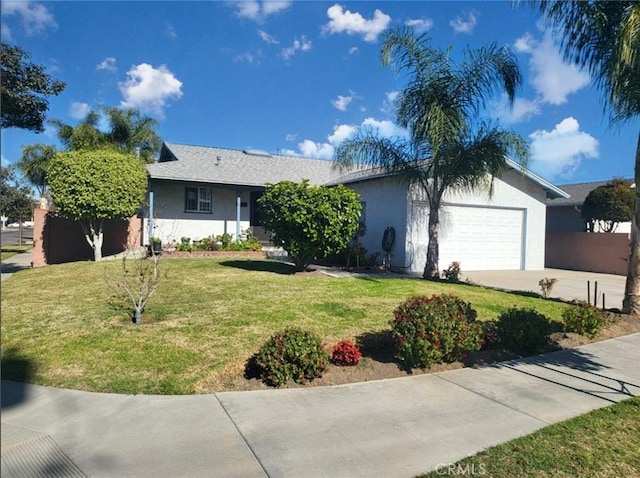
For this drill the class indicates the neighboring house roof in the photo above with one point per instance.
(234, 167)
(256, 168)
(578, 192)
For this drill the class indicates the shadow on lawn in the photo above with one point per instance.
(18, 368)
(262, 266)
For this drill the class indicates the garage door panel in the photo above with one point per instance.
(480, 238)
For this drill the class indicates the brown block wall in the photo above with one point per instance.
(57, 240)
(588, 251)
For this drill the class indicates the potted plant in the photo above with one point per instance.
(156, 245)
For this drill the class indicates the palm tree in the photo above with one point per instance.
(447, 148)
(129, 131)
(604, 37)
(34, 163)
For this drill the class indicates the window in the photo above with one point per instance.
(197, 200)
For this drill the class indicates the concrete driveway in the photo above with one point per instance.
(570, 285)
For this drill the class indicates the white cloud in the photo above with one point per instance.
(420, 25)
(552, 79)
(259, 11)
(150, 88)
(108, 64)
(271, 40)
(249, 57)
(298, 45)
(290, 137)
(342, 132)
(342, 21)
(79, 110)
(559, 152)
(353, 50)
(35, 16)
(464, 25)
(389, 99)
(170, 31)
(522, 109)
(342, 102)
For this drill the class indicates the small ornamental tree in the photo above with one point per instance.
(93, 186)
(609, 205)
(310, 221)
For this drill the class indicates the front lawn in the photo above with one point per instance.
(9, 251)
(62, 327)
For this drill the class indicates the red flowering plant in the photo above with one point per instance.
(346, 353)
(429, 330)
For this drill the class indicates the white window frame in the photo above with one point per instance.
(203, 199)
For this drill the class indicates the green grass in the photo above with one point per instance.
(9, 251)
(61, 325)
(603, 443)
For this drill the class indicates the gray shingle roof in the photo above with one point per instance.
(235, 167)
(578, 192)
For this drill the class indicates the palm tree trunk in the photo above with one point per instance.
(631, 302)
(431, 270)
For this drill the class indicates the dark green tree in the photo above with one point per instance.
(607, 206)
(448, 147)
(604, 37)
(15, 198)
(93, 186)
(25, 88)
(310, 221)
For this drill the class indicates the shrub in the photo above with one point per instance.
(346, 353)
(491, 335)
(546, 286)
(427, 330)
(185, 244)
(290, 354)
(524, 330)
(583, 319)
(452, 273)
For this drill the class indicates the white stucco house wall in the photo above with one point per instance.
(200, 191)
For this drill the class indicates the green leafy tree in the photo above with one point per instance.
(128, 132)
(448, 147)
(609, 205)
(310, 221)
(15, 198)
(604, 37)
(25, 88)
(93, 186)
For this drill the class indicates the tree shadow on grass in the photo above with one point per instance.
(18, 368)
(262, 266)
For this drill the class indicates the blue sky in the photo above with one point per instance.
(300, 77)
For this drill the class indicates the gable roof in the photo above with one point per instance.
(234, 167)
(256, 168)
(578, 192)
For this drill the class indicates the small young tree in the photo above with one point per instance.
(310, 221)
(15, 198)
(93, 186)
(609, 205)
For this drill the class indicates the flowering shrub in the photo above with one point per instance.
(452, 273)
(346, 353)
(427, 330)
(524, 330)
(291, 354)
(491, 335)
(583, 319)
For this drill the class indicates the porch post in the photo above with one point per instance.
(238, 206)
(151, 213)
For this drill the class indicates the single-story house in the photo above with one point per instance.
(197, 191)
(565, 214)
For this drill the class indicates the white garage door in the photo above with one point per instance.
(480, 238)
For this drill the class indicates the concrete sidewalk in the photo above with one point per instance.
(14, 264)
(387, 428)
